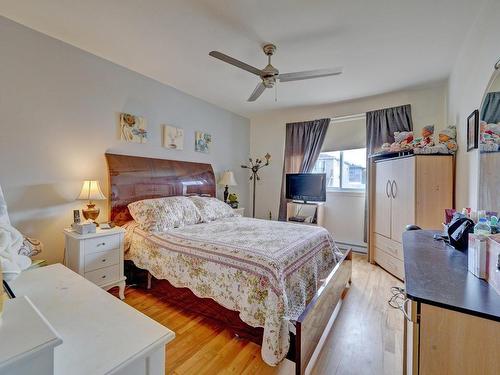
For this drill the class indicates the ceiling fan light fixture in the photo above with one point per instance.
(270, 75)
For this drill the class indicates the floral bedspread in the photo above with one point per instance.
(266, 270)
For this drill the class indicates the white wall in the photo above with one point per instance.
(344, 212)
(467, 85)
(59, 109)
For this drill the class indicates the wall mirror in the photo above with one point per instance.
(489, 145)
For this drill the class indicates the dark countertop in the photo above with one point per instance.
(437, 274)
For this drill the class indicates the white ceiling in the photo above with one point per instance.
(383, 45)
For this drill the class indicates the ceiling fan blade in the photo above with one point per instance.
(257, 92)
(236, 63)
(309, 74)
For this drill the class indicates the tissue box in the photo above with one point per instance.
(84, 228)
(477, 255)
(492, 262)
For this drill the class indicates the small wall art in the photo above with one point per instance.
(202, 142)
(173, 137)
(133, 128)
(472, 130)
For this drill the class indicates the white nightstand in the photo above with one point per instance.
(97, 256)
(239, 210)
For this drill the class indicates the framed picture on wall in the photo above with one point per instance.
(133, 128)
(202, 142)
(173, 137)
(472, 130)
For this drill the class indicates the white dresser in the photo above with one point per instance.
(27, 340)
(100, 334)
(97, 256)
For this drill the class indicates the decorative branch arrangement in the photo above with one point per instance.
(255, 166)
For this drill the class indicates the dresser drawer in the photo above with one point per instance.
(391, 264)
(391, 247)
(104, 275)
(98, 244)
(94, 261)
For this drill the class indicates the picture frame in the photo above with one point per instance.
(133, 128)
(173, 137)
(202, 142)
(472, 130)
(76, 216)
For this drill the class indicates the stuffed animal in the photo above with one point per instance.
(402, 142)
(447, 143)
(427, 138)
(386, 147)
(489, 137)
(448, 137)
(404, 139)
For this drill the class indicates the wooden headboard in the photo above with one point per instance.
(133, 178)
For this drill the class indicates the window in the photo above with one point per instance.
(345, 170)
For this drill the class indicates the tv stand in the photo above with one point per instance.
(310, 213)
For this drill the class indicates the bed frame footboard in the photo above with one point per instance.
(315, 321)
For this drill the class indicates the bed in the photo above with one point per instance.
(282, 281)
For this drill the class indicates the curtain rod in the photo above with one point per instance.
(349, 117)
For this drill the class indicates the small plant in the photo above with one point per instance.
(233, 200)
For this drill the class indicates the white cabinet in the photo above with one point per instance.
(407, 190)
(402, 196)
(383, 200)
(97, 256)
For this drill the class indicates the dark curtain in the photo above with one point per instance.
(491, 108)
(380, 127)
(302, 147)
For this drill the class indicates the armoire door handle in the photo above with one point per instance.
(394, 191)
(387, 189)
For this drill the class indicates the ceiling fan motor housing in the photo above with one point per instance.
(269, 73)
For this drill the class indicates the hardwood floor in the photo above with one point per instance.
(366, 337)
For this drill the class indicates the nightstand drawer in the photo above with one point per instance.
(94, 261)
(94, 245)
(104, 275)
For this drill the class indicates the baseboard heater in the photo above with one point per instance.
(355, 247)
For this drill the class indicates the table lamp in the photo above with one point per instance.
(227, 179)
(91, 191)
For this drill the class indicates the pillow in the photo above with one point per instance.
(211, 208)
(160, 214)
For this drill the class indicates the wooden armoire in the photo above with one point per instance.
(412, 189)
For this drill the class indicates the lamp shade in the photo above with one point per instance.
(91, 191)
(228, 179)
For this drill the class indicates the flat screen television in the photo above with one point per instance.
(306, 187)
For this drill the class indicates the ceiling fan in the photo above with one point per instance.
(269, 75)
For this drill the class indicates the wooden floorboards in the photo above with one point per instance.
(366, 338)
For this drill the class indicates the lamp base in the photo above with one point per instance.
(91, 212)
(226, 193)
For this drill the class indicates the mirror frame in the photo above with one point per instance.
(495, 74)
